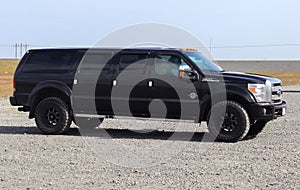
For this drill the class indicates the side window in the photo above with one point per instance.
(169, 65)
(50, 62)
(94, 62)
(139, 61)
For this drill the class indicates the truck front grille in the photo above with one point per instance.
(276, 93)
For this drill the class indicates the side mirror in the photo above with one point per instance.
(192, 75)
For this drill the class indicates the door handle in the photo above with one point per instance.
(114, 82)
(150, 83)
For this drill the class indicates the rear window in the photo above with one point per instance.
(51, 62)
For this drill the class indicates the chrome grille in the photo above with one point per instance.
(276, 93)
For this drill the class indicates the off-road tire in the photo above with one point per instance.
(52, 116)
(228, 121)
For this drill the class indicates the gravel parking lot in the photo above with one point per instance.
(30, 160)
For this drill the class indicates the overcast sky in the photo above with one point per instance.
(62, 23)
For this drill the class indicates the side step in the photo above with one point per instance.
(134, 118)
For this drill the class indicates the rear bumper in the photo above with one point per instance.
(268, 111)
(19, 99)
(13, 101)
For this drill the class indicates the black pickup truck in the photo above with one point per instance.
(45, 81)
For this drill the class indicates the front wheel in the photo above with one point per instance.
(256, 128)
(52, 116)
(228, 121)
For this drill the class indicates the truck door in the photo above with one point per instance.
(93, 83)
(130, 93)
(178, 93)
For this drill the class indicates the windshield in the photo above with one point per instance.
(202, 62)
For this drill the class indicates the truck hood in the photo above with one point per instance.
(239, 77)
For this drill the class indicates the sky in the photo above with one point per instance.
(235, 29)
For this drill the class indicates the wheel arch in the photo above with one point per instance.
(48, 89)
(240, 96)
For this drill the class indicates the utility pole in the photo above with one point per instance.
(26, 46)
(16, 51)
(21, 49)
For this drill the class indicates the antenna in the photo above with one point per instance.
(210, 49)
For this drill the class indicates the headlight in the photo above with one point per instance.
(261, 92)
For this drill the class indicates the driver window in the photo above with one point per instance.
(169, 65)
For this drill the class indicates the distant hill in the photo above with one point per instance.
(288, 71)
(261, 65)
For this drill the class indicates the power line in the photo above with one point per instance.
(214, 47)
(7, 45)
(28, 45)
(255, 46)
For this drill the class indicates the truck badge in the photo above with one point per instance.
(193, 95)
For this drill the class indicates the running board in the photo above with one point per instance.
(134, 118)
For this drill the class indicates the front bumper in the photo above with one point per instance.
(267, 111)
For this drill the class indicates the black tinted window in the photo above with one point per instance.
(50, 62)
(168, 65)
(133, 63)
(95, 62)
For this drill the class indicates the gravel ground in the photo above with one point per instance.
(30, 160)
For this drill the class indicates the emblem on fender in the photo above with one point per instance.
(193, 95)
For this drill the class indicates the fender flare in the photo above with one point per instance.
(240, 94)
(50, 84)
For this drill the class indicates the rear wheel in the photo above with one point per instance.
(228, 121)
(52, 116)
